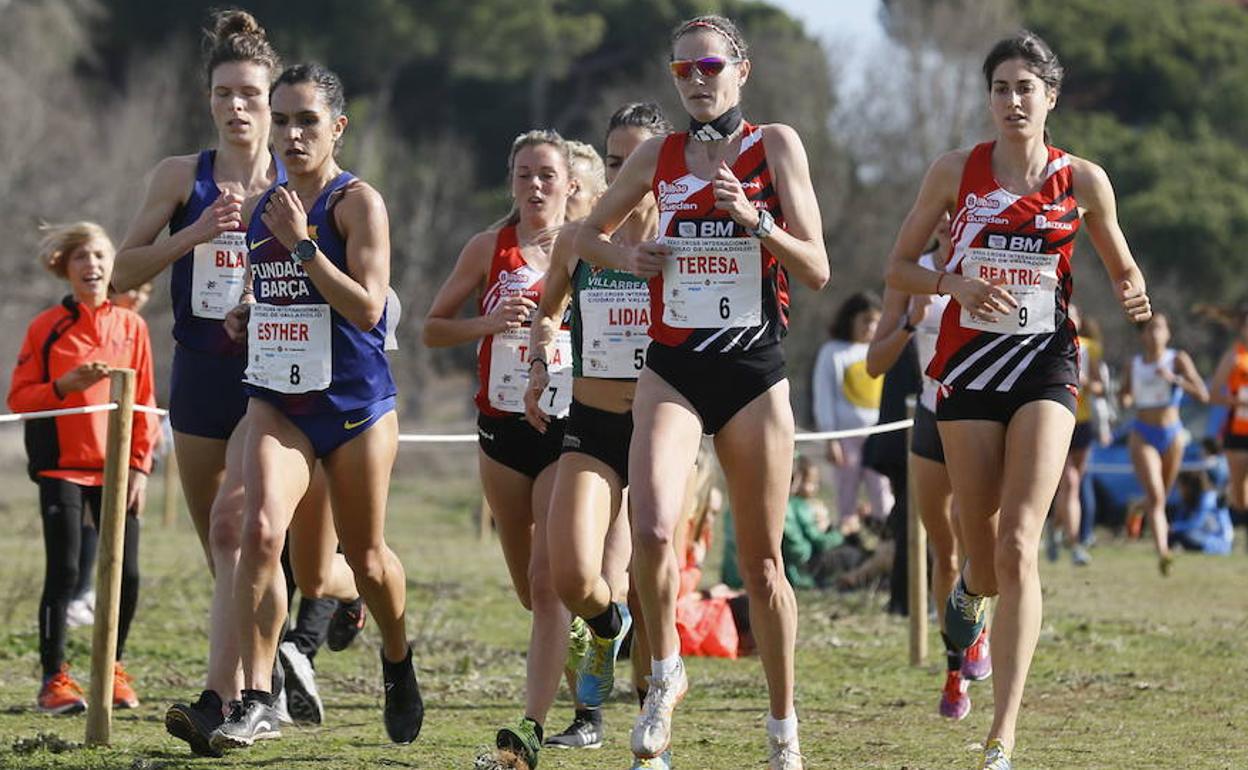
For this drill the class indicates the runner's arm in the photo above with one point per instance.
(1189, 378)
(1219, 386)
(593, 240)
(799, 244)
(1096, 196)
(556, 294)
(890, 338)
(442, 326)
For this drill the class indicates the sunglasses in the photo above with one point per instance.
(709, 66)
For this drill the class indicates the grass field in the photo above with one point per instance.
(1132, 671)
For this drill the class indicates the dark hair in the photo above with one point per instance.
(1140, 326)
(721, 24)
(327, 84)
(235, 35)
(647, 116)
(843, 324)
(1035, 53)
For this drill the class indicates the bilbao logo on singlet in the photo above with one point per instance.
(673, 196)
(984, 209)
(1029, 244)
(511, 283)
(280, 279)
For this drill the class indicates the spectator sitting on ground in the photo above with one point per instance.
(806, 534)
(1202, 523)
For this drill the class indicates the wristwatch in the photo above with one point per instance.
(304, 251)
(909, 327)
(766, 223)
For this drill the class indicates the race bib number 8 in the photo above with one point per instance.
(713, 283)
(217, 272)
(615, 332)
(509, 373)
(288, 348)
(1030, 278)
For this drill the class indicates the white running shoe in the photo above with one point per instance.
(652, 733)
(78, 613)
(785, 754)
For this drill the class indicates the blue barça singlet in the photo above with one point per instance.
(302, 355)
(207, 281)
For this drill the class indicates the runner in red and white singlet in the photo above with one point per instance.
(1007, 354)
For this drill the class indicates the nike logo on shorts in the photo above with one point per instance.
(348, 425)
(261, 242)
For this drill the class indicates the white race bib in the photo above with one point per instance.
(1241, 412)
(288, 348)
(615, 331)
(713, 283)
(509, 372)
(1030, 278)
(217, 273)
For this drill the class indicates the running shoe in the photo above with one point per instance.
(661, 762)
(652, 733)
(124, 696)
(196, 722)
(302, 698)
(249, 721)
(1166, 565)
(346, 624)
(785, 754)
(977, 660)
(585, 732)
(595, 679)
(965, 615)
(61, 694)
(995, 757)
(277, 686)
(522, 740)
(955, 703)
(78, 613)
(405, 709)
(578, 642)
(1079, 556)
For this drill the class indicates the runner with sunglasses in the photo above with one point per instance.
(737, 213)
(1007, 357)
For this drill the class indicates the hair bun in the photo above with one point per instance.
(235, 22)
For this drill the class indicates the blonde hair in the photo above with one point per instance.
(59, 243)
(534, 138)
(587, 168)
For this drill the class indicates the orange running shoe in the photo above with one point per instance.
(60, 694)
(124, 696)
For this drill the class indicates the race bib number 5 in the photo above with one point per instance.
(509, 373)
(616, 331)
(217, 273)
(288, 348)
(713, 283)
(1030, 278)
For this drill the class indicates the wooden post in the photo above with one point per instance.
(916, 555)
(172, 486)
(108, 566)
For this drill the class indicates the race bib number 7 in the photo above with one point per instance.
(217, 272)
(288, 348)
(509, 373)
(1030, 278)
(713, 283)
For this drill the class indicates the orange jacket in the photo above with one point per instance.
(62, 338)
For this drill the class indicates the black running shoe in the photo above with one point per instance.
(249, 721)
(345, 625)
(302, 698)
(585, 732)
(196, 722)
(405, 710)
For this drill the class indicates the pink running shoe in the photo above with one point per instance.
(977, 660)
(954, 701)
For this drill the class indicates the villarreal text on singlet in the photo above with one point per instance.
(302, 355)
(503, 358)
(721, 290)
(1024, 244)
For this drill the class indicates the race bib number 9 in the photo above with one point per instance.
(713, 283)
(509, 373)
(288, 348)
(1030, 278)
(615, 331)
(217, 272)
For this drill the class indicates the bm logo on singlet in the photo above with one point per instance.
(707, 228)
(1029, 244)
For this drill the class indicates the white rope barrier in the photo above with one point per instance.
(46, 413)
(437, 438)
(468, 438)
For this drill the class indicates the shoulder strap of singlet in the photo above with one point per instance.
(671, 156)
(203, 166)
(507, 239)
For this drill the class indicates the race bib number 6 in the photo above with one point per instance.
(288, 348)
(217, 272)
(1030, 278)
(713, 283)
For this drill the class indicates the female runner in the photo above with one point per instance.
(610, 315)
(320, 389)
(1154, 385)
(1230, 388)
(737, 214)
(1006, 358)
(918, 317)
(506, 266)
